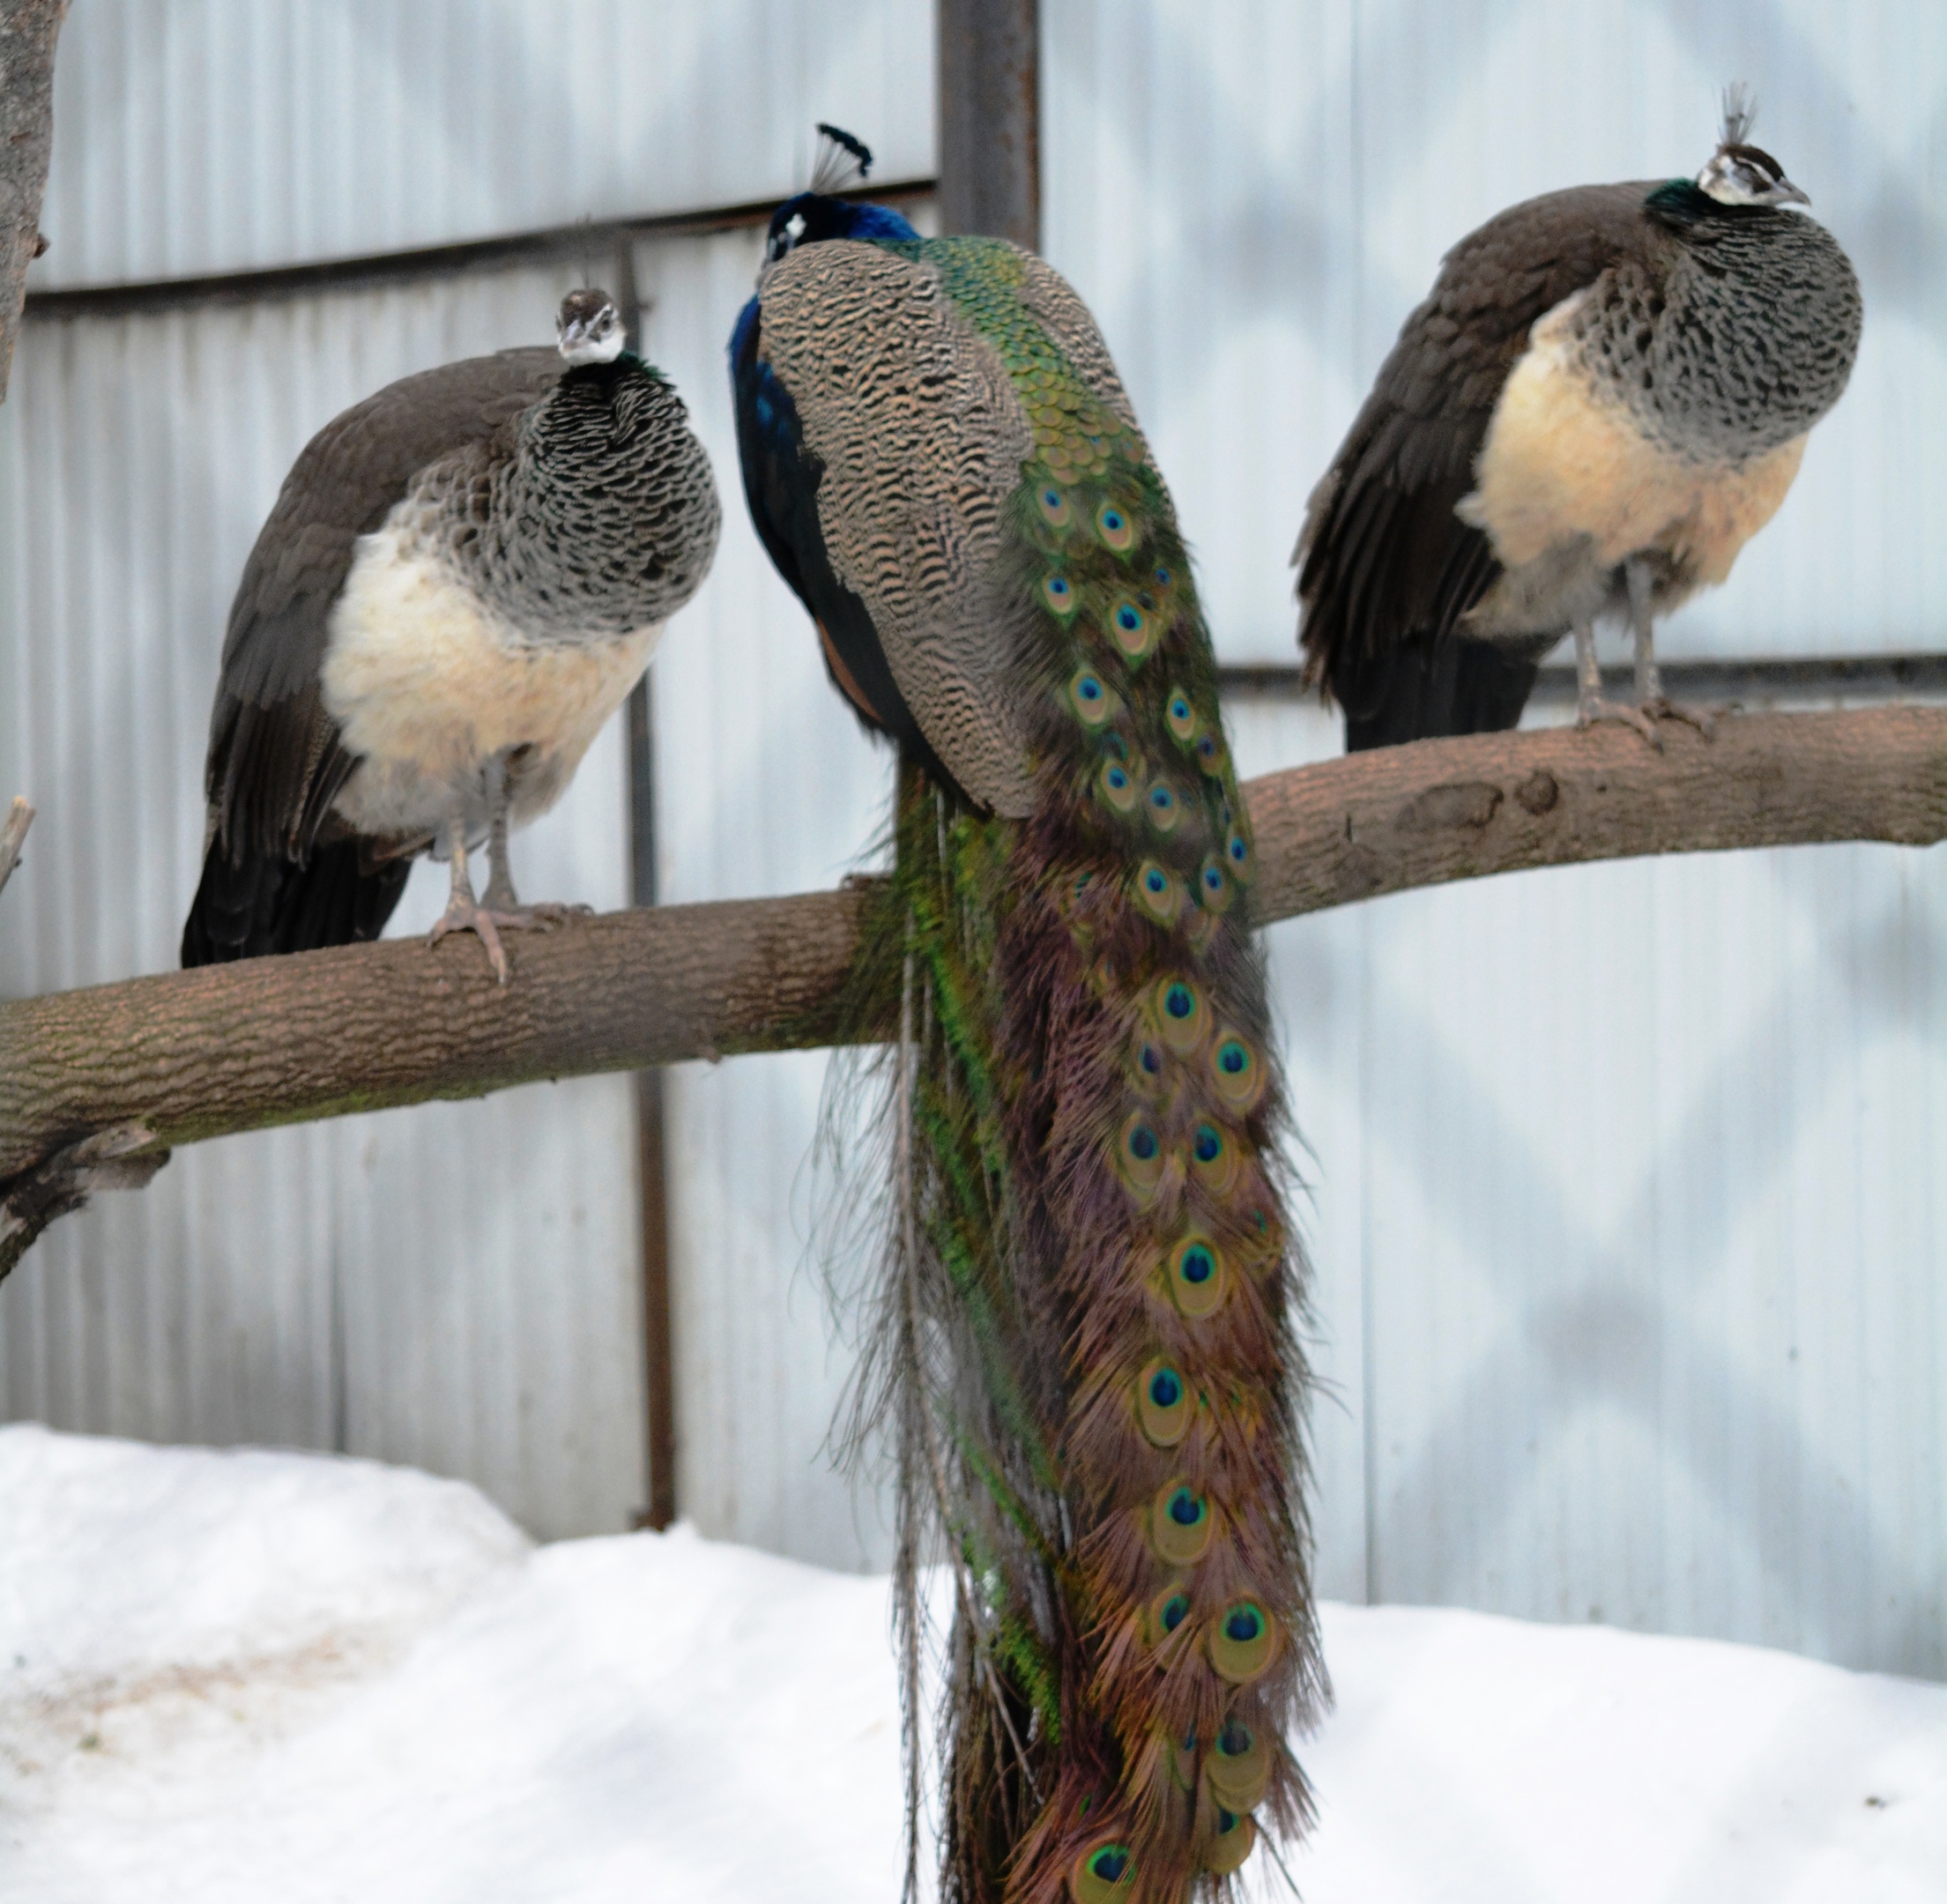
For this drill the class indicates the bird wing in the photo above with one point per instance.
(275, 763)
(1382, 558)
(910, 441)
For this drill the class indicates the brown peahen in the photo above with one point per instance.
(1605, 395)
(462, 578)
(1087, 1357)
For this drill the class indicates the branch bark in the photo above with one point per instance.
(152, 1062)
(13, 837)
(28, 29)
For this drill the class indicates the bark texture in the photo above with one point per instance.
(13, 837)
(152, 1062)
(28, 29)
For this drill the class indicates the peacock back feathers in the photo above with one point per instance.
(1086, 1352)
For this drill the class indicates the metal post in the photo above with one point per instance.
(990, 119)
(659, 1358)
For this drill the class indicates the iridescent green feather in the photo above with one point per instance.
(1028, 956)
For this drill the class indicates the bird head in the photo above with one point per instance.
(589, 328)
(1739, 173)
(818, 214)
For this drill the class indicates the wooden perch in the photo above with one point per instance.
(152, 1062)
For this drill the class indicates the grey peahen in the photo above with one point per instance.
(1605, 395)
(1086, 1359)
(462, 578)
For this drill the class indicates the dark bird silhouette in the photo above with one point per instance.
(1086, 1360)
(1605, 395)
(464, 575)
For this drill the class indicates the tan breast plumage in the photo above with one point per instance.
(426, 681)
(1563, 461)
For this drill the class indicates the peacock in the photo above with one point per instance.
(1605, 394)
(462, 576)
(1085, 1356)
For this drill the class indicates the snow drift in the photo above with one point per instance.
(247, 1676)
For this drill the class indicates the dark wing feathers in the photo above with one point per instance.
(1385, 566)
(266, 903)
(274, 764)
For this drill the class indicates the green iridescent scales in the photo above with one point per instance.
(1108, 615)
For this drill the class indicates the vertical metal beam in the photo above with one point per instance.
(990, 118)
(658, 1357)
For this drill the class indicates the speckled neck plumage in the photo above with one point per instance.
(598, 519)
(1744, 338)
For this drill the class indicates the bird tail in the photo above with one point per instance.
(1085, 1356)
(1420, 690)
(258, 903)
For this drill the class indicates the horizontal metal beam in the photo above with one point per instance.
(1744, 679)
(589, 237)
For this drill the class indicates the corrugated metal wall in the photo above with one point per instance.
(455, 1286)
(1628, 1203)
(1626, 1199)
(212, 136)
(1252, 196)
(763, 785)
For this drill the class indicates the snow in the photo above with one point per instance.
(247, 1675)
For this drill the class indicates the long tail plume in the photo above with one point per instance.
(1085, 1357)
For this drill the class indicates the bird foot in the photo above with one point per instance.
(1591, 710)
(485, 925)
(1703, 719)
(542, 917)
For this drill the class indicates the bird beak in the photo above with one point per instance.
(1787, 193)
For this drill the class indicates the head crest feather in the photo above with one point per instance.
(1740, 115)
(842, 160)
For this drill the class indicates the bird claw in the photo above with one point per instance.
(1591, 711)
(466, 915)
(1703, 719)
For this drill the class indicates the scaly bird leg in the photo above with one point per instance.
(501, 897)
(1649, 683)
(464, 912)
(1589, 704)
(500, 900)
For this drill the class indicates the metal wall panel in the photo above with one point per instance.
(1629, 1199)
(1625, 1181)
(214, 136)
(456, 1285)
(1251, 197)
(764, 784)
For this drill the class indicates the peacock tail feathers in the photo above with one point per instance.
(1085, 1355)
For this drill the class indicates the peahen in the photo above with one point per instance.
(1606, 394)
(1086, 1358)
(462, 578)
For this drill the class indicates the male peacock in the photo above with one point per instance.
(1605, 395)
(462, 577)
(1086, 1358)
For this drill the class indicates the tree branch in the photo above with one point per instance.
(13, 837)
(188, 1055)
(28, 29)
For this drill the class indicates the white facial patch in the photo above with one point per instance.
(1735, 181)
(602, 346)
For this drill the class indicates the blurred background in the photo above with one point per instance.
(1628, 1183)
